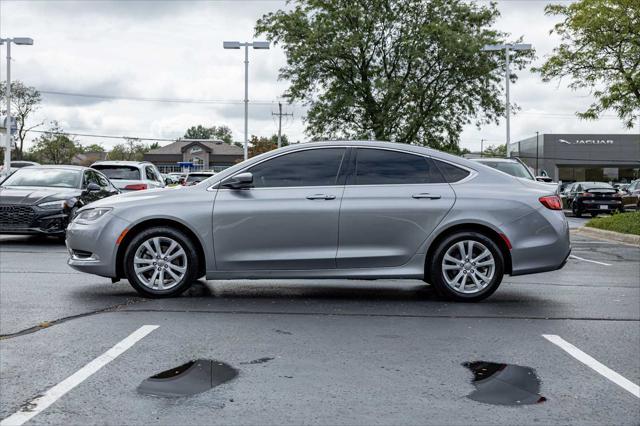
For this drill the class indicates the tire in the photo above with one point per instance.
(177, 272)
(576, 210)
(471, 291)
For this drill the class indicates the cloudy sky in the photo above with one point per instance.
(160, 68)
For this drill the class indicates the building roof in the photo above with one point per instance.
(216, 147)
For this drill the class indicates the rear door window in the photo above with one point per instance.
(450, 172)
(386, 167)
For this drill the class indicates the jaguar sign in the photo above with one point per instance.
(587, 141)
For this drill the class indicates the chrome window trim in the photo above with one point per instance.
(472, 172)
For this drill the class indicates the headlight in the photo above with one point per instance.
(54, 205)
(91, 215)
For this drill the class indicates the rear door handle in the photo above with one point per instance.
(321, 197)
(426, 195)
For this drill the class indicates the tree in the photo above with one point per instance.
(94, 148)
(260, 145)
(24, 101)
(222, 133)
(495, 151)
(55, 147)
(131, 150)
(404, 70)
(600, 50)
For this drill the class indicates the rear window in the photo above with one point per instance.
(511, 168)
(119, 172)
(450, 172)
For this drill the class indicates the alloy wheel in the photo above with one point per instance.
(468, 267)
(160, 263)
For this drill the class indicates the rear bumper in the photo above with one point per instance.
(540, 242)
(600, 206)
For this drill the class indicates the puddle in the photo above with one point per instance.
(504, 384)
(188, 379)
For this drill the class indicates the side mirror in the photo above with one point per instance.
(93, 187)
(239, 181)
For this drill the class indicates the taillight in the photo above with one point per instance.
(136, 187)
(552, 202)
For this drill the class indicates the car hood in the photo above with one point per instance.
(30, 195)
(132, 198)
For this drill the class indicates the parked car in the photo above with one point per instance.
(633, 190)
(15, 165)
(131, 175)
(43, 199)
(194, 178)
(330, 210)
(170, 179)
(593, 198)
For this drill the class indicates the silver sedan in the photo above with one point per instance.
(329, 210)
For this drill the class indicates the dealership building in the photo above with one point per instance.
(581, 157)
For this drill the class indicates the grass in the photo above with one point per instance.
(627, 223)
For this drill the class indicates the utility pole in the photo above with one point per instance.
(507, 71)
(537, 145)
(280, 114)
(24, 41)
(481, 148)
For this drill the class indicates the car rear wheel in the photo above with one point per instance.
(466, 267)
(161, 262)
(576, 210)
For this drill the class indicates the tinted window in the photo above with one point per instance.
(313, 167)
(149, 173)
(383, 167)
(90, 177)
(31, 176)
(103, 181)
(511, 168)
(451, 173)
(119, 172)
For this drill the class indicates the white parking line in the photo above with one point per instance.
(573, 256)
(616, 378)
(39, 404)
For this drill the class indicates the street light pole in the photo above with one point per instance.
(507, 71)
(25, 41)
(236, 45)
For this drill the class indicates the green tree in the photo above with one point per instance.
(131, 150)
(24, 101)
(222, 133)
(260, 145)
(499, 150)
(94, 148)
(404, 70)
(55, 147)
(600, 51)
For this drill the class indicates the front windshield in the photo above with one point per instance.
(57, 178)
(510, 168)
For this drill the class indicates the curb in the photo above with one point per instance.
(609, 235)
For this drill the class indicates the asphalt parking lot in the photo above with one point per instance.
(317, 352)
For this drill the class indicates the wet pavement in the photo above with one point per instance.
(320, 352)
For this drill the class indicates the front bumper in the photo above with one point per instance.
(32, 220)
(93, 248)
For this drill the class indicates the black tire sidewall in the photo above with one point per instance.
(438, 282)
(180, 238)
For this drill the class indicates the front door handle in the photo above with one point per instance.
(321, 197)
(426, 195)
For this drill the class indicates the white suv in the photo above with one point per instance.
(131, 175)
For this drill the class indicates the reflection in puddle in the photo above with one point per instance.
(504, 384)
(188, 379)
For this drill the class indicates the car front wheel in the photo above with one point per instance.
(161, 262)
(466, 267)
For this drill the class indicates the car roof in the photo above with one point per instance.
(58, 166)
(495, 159)
(120, 163)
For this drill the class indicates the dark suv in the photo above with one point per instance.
(593, 198)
